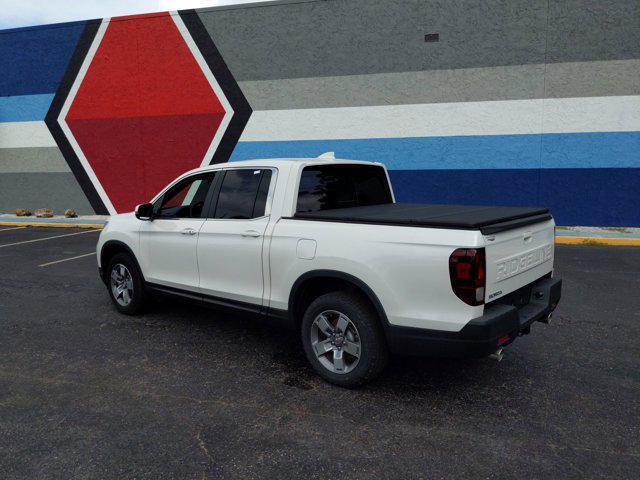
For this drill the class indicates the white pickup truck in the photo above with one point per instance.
(320, 245)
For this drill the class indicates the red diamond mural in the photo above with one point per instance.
(145, 106)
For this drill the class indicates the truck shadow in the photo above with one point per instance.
(253, 338)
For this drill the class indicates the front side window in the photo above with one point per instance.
(186, 199)
(243, 194)
(327, 187)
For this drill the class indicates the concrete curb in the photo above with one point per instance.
(564, 236)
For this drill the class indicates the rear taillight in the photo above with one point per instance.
(467, 272)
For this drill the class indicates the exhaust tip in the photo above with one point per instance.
(497, 355)
(547, 319)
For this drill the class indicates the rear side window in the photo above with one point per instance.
(327, 187)
(243, 194)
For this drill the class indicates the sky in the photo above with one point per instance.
(22, 13)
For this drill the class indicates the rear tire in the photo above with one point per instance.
(343, 339)
(126, 284)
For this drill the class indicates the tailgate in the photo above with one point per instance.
(516, 258)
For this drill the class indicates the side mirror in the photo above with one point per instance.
(144, 211)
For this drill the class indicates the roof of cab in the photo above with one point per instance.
(275, 162)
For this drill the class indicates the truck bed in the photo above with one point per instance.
(488, 220)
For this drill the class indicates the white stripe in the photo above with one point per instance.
(47, 238)
(66, 259)
(508, 117)
(592, 114)
(11, 228)
(25, 134)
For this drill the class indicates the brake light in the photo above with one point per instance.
(467, 273)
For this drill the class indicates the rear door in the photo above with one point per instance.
(168, 242)
(232, 238)
(518, 257)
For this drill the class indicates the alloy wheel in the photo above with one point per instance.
(335, 341)
(121, 284)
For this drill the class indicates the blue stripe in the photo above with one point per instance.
(33, 60)
(576, 196)
(24, 108)
(570, 150)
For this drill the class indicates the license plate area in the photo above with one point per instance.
(518, 298)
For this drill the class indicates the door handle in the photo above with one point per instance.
(251, 233)
(188, 231)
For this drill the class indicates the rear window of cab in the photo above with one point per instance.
(329, 187)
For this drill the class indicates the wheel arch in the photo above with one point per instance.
(301, 286)
(111, 248)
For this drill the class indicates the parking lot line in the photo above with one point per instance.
(47, 238)
(11, 228)
(66, 259)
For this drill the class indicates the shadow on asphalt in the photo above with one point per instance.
(409, 375)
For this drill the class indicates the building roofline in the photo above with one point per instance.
(147, 15)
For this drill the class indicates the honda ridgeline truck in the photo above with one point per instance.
(321, 246)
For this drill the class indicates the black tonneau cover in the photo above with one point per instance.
(461, 217)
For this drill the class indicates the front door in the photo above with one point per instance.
(232, 239)
(168, 242)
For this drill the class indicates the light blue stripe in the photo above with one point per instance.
(25, 108)
(566, 150)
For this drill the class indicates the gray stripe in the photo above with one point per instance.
(57, 191)
(593, 79)
(21, 160)
(355, 37)
(586, 79)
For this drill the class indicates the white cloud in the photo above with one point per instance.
(19, 13)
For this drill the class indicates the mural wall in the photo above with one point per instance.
(520, 102)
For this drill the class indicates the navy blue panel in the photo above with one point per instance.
(514, 187)
(33, 60)
(592, 196)
(580, 196)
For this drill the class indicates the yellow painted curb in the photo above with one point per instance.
(567, 240)
(52, 224)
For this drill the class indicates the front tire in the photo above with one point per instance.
(126, 284)
(343, 339)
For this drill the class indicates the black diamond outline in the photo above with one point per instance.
(51, 119)
(239, 104)
(203, 41)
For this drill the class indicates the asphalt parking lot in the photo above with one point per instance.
(182, 392)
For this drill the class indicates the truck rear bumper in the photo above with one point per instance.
(500, 325)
